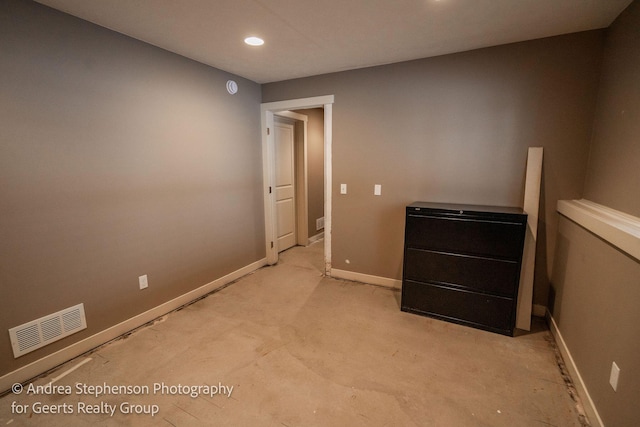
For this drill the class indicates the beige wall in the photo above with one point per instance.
(613, 177)
(595, 296)
(117, 159)
(315, 165)
(595, 287)
(454, 128)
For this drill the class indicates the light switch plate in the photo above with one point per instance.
(143, 282)
(615, 374)
(377, 190)
(343, 188)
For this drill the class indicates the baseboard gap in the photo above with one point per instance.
(589, 416)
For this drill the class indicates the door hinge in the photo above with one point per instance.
(271, 245)
(268, 131)
(269, 190)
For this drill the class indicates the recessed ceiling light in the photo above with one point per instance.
(254, 41)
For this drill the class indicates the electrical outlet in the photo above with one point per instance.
(377, 190)
(615, 374)
(143, 282)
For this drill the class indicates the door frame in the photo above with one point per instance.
(267, 111)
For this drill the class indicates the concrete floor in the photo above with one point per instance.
(303, 350)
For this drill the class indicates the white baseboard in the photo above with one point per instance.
(316, 238)
(61, 356)
(366, 278)
(589, 406)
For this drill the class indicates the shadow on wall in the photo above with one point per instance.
(558, 275)
(541, 272)
(386, 235)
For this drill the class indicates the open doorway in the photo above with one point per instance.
(268, 113)
(299, 187)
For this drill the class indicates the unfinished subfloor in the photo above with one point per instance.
(300, 349)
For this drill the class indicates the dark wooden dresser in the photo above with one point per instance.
(462, 263)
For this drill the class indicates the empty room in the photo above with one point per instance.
(304, 213)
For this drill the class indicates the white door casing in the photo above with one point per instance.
(267, 111)
(285, 185)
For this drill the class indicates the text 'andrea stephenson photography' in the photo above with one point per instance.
(82, 397)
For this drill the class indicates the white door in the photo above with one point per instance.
(285, 185)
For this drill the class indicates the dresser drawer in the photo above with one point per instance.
(477, 274)
(491, 238)
(479, 310)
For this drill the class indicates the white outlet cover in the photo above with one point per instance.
(143, 281)
(377, 190)
(615, 374)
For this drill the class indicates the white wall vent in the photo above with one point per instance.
(319, 224)
(40, 332)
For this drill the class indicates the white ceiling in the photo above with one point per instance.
(310, 37)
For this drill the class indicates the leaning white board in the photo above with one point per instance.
(531, 208)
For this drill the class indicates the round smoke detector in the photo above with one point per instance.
(232, 87)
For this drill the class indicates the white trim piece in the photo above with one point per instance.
(298, 104)
(328, 183)
(70, 370)
(316, 238)
(76, 349)
(269, 179)
(304, 216)
(532, 188)
(305, 181)
(618, 228)
(293, 115)
(589, 406)
(531, 207)
(366, 278)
